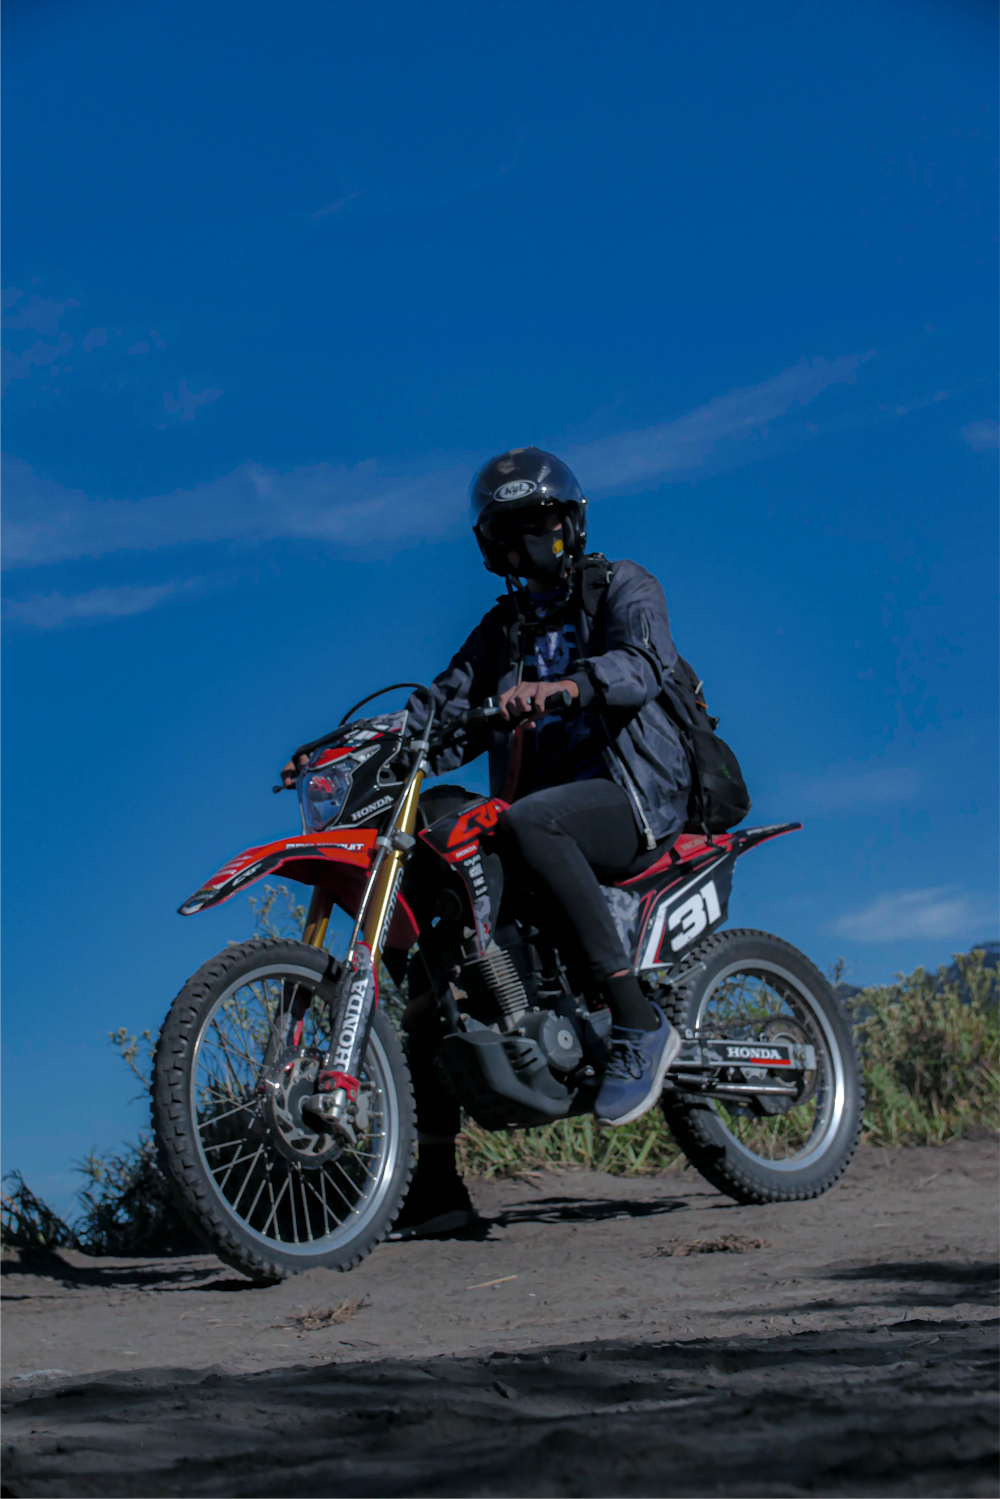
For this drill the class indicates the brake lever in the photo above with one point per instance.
(558, 703)
(491, 709)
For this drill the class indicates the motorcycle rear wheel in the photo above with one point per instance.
(749, 984)
(261, 1188)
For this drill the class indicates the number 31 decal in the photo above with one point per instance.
(694, 916)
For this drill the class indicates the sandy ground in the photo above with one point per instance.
(848, 1347)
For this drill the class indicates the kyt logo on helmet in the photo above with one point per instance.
(518, 490)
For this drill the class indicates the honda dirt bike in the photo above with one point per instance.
(282, 1101)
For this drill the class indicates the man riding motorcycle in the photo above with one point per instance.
(597, 793)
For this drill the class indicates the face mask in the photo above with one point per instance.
(541, 556)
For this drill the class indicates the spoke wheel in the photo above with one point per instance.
(751, 986)
(253, 1171)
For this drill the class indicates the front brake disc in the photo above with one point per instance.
(292, 1131)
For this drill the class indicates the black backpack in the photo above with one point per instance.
(719, 797)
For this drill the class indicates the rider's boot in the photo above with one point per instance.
(637, 1064)
(438, 1201)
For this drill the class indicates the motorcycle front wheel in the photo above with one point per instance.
(745, 985)
(252, 1174)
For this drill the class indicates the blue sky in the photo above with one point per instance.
(276, 280)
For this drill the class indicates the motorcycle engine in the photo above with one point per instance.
(555, 1038)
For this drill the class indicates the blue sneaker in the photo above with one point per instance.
(637, 1066)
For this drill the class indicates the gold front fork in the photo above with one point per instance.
(379, 904)
(318, 919)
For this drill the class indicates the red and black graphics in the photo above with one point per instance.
(354, 781)
(343, 786)
(337, 860)
(479, 819)
(685, 895)
(456, 839)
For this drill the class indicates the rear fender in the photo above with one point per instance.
(337, 860)
(685, 895)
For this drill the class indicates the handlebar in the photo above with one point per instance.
(490, 710)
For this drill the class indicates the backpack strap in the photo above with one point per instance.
(594, 572)
(592, 576)
(516, 622)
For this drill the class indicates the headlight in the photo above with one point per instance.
(322, 796)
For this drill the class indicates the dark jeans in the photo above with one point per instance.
(559, 844)
(564, 843)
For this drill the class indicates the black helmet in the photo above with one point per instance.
(524, 480)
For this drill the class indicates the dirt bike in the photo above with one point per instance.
(282, 1101)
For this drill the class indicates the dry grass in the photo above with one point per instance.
(581, 1144)
(334, 1316)
(721, 1244)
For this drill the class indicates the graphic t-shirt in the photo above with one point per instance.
(560, 749)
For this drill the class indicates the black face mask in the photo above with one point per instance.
(541, 556)
(539, 550)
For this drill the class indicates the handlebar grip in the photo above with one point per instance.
(276, 789)
(491, 710)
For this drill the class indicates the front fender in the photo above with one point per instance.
(338, 860)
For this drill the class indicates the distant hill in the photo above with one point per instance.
(951, 976)
(991, 960)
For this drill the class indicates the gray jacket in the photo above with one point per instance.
(627, 656)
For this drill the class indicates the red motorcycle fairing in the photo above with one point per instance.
(685, 895)
(338, 860)
(456, 839)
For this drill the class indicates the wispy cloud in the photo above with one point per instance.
(18, 366)
(353, 506)
(45, 523)
(39, 315)
(186, 401)
(337, 206)
(982, 435)
(678, 446)
(49, 611)
(942, 911)
(839, 791)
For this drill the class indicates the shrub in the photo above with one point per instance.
(127, 1206)
(29, 1224)
(929, 1051)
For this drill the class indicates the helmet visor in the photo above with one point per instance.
(507, 528)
